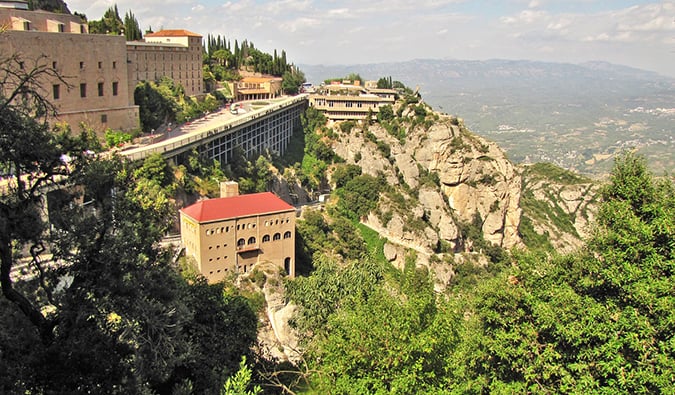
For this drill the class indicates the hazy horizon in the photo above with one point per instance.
(639, 34)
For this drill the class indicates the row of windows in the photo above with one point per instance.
(100, 88)
(266, 238)
(217, 246)
(225, 229)
(255, 137)
(217, 258)
(82, 65)
(277, 221)
(244, 267)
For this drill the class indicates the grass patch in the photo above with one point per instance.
(374, 242)
(554, 173)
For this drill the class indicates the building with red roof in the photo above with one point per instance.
(231, 234)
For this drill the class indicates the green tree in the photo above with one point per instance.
(240, 382)
(292, 80)
(132, 32)
(386, 113)
(360, 195)
(156, 105)
(155, 168)
(599, 320)
(111, 23)
(343, 173)
(110, 314)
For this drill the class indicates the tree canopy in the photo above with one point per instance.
(102, 308)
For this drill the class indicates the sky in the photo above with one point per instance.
(633, 33)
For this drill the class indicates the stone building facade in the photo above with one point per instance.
(94, 89)
(99, 72)
(177, 54)
(231, 234)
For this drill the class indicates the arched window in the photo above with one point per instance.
(241, 242)
(266, 238)
(287, 235)
(277, 236)
(251, 240)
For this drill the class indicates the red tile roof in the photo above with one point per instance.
(172, 33)
(236, 206)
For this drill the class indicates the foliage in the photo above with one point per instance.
(599, 320)
(360, 196)
(321, 294)
(385, 114)
(239, 383)
(292, 80)
(132, 32)
(109, 314)
(403, 348)
(56, 6)
(347, 126)
(156, 105)
(223, 60)
(164, 102)
(351, 77)
(385, 83)
(110, 23)
(251, 176)
(343, 173)
(156, 169)
(116, 138)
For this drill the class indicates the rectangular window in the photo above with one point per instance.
(26, 25)
(62, 28)
(22, 65)
(114, 88)
(100, 65)
(83, 90)
(100, 89)
(104, 118)
(82, 29)
(81, 65)
(114, 65)
(56, 91)
(54, 65)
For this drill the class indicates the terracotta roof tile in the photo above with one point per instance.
(236, 206)
(172, 33)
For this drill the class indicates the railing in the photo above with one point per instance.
(181, 142)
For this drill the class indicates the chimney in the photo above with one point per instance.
(229, 189)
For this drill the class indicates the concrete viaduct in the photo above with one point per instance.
(269, 127)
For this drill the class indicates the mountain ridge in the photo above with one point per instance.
(577, 116)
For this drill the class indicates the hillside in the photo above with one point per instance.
(576, 116)
(425, 186)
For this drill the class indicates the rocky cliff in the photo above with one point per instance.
(446, 185)
(474, 183)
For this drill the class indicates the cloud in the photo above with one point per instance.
(300, 24)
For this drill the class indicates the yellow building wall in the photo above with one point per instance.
(222, 248)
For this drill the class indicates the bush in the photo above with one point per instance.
(114, 138)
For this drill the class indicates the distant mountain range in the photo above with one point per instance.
(574, 115)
